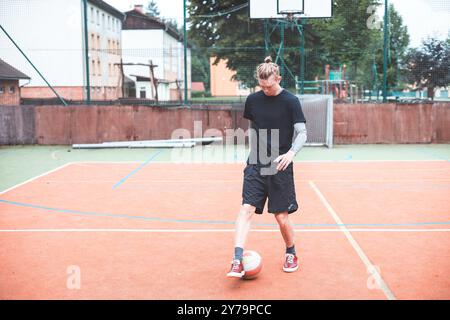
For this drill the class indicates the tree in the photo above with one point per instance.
(152, 9)
(346, 38)
(227, 36)
(397, 45)
(172, 23)
(429, 66)
(200, 66)
(223, 29)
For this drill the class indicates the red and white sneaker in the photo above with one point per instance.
(291, 263)
(237, 269)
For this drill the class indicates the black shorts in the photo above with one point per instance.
(279, 188)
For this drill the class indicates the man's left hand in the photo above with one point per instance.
(284, 160)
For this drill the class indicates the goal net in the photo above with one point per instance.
(318, 111)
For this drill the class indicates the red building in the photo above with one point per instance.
(9, 84)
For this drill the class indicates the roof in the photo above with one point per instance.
(198, 86)
(8, 72)
(136, 20)
(108, 8)
(147, 79)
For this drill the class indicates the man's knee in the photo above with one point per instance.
(282, 218)
(246, 211)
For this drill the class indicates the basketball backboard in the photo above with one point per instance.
(268, 9)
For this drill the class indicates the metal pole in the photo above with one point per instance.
(281, 53)
(185, 54)
(266, 37)
(86, 54)
(386, 49)
(31, 63)
(302, 65)
(302, 56)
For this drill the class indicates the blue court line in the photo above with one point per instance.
(126, 216)
(137, 169)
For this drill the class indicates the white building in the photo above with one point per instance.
(147, 39)
(52, 35)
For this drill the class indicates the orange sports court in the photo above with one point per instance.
(373, 223)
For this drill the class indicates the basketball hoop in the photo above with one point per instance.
(289, 16)
(290, 9)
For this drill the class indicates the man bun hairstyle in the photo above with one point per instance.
(267, 69)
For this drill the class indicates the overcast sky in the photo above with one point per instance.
(422, 17)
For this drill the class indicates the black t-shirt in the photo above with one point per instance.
(272, 112)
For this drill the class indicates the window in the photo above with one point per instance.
(98, 43)
(109, 23)
(98, 17)
(99, 68)
(12, 89)
(92, 44)
(93, 68)
(92, 15)
(2, 89)
(142, 93)
(103, 20)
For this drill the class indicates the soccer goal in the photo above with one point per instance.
(318, 111)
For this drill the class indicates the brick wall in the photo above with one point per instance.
(356, 124)
(391, 123)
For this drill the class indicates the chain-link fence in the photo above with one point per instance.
(81, 51)
(356, 55)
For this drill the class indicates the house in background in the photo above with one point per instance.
(149, 41)
(105, 41)
(221, 83)
(9, 84)
(198, 86)
(51, 33)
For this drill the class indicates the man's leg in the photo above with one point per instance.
(287, 231)
(242, 227)
(286, 228)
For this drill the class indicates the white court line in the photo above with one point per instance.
(216, 230)
(243, 161)
(387, 292)
(36, 177)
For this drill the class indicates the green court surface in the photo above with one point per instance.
(20, 163)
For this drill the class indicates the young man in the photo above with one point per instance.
(276, 117)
